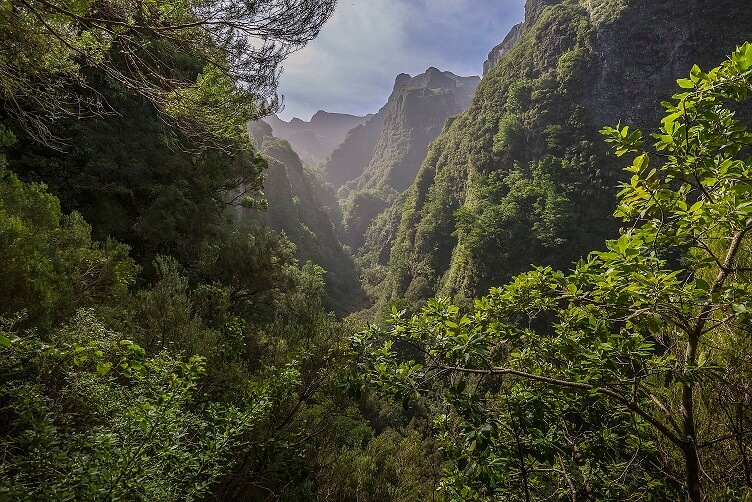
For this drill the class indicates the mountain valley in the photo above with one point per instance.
(530, 285)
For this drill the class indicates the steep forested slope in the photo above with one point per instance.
(163, 350)
(302, 205)
(416, 113)
(196, 360)
(412, 118)
(522, 176)
(619, 379)
(351, 158)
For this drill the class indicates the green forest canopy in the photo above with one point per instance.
(154, 348)
(626, 378)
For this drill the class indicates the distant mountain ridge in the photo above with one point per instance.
(351, 158)
(379, 160)
(315, 140)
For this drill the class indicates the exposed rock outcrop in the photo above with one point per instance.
(500, 50)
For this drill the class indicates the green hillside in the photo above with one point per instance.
(303, 207)
(413, 116)
(522, 176)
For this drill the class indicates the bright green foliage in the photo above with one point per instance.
(95, 418)
(617, 380)
(212, 375)
(228, 386)
(525, 202)
(50, 264)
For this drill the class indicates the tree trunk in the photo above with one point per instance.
(692, 462)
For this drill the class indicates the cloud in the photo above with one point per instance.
(351, 66)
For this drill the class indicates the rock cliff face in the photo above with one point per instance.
(314, 141)
(523, 176)
(500, 50)
(414, 119)
(302, 206)
(411, 119)
(351, 158)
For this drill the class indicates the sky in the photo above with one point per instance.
(351, 66)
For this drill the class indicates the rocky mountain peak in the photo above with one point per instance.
(433, 78)
(402, 80)
(353, 156)
(500, 50)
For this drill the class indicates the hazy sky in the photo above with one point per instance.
(351, 66)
